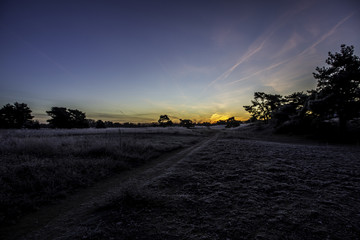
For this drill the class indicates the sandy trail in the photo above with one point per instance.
(52, 221)
(236, 188)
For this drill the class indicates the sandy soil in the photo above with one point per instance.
(236, 188)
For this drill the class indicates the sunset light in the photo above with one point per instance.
(179, 119)
(130, 61)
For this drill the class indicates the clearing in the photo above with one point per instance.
(227, 186)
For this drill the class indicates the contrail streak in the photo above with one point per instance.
(321, 39)
(328, 34)
(258, 72)
(248, 54)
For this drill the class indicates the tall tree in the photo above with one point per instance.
(15, 116)
(338, 86)
(22, 115)
(60, 117)
(67, 118)
(78, 119)
(293, 106)
(263, 105)
(165, 121)
(7, 116)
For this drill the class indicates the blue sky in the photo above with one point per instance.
(134, 60)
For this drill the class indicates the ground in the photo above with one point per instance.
(231, 185)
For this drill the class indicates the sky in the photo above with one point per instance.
(131, 61)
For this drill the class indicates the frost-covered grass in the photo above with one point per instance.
(236, 188)
(91, 131)
(40, 166)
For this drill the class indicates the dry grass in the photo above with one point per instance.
(38, 167)
(238, 188)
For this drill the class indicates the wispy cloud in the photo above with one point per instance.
(259, 44)
(327, 34)
(244, 58)
(258, 72)
(293, 42)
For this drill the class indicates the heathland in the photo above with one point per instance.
(177, 183)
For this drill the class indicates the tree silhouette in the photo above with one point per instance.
(263, 105)
(78, 119)
(109, 124)
(186, 123)
(15, 116)
(231, 122)
(338, 86)
(100, 124)
(22, 115)
(7, 116)
(60, 117)
(293, 106)
(63, 118)
(165, 121)
(91, 123)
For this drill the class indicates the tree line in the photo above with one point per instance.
(336, 98)
(18, 115)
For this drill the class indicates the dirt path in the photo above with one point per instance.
(240, 189)
(52, 221)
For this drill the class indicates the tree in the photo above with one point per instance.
(60, 117)
(15, 116)
(165, 121)
(7, 116)
(109, 124)
(64, 118)
(293, 106)
(338, 86)
(100, 124)
(231, 122)
(263, 105)
(22, 115)
(91, 123)
(221, 122)
(186, 123)
(77, 119)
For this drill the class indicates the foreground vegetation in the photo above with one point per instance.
(38, 167)
(238, 187)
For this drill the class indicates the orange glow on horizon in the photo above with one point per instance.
(217, 117)
(148, 118)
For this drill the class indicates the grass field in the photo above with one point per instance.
(41, 166)
(243, 183)
(237, 187)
